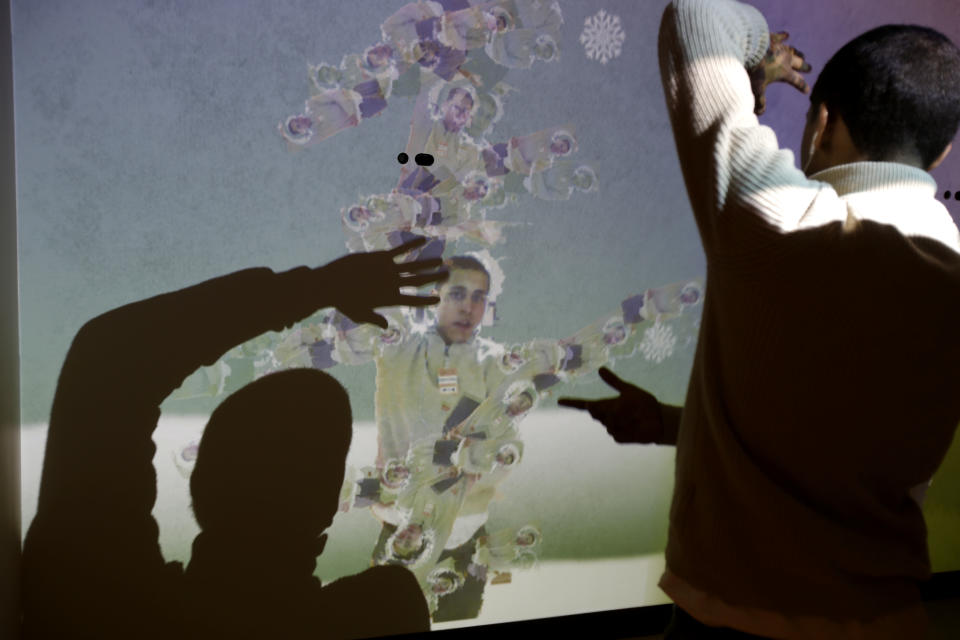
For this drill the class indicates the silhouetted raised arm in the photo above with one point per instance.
(92, 563)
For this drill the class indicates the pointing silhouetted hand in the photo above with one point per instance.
(633, 416)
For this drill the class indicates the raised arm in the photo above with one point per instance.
(122, 364)
(741, 185)
(348, 336)
(333, 339)
(93, 532)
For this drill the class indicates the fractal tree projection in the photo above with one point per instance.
(449, 406)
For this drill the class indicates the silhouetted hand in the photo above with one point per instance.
(358, 283)
(782, 63)
(633, 416)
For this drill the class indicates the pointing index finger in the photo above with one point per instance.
(420, 265)
(612, 379)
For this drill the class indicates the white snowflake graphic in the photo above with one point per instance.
(658, 342)
(602, 36)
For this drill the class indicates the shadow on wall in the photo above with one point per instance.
(265, 486)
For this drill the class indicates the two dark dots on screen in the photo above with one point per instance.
(422, 159)
(425, 160)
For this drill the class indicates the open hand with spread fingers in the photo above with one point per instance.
(358, 283)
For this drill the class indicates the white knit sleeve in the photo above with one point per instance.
(740, 183)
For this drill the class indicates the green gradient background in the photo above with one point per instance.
(149, 160)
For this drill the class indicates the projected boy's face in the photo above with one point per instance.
(690, 294)
(525, 538)
(456, 110)
(396, 475)
(378, 56)
(359, 214)
(514, 359)
(560, 146)
(615, 334)
(463, 299)
(475, 190)
(583, 178)
(519, 405)
(443, 584)
(498, 20)
(408, 540)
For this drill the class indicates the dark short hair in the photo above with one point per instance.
(467, 263)
(897, 88)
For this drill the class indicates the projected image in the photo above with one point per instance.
(526, 144)
(449, 408)
(524, 140)
(450, 403)
(451, 62)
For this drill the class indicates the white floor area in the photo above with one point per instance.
(568, 588)
(581, 482)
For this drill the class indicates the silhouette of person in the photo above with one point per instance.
(449, 404)
(817, 407)
(268, 471)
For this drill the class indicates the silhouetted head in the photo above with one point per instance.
(894, 93)
(271, 460)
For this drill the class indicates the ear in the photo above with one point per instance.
(822, 127)
(941, 157)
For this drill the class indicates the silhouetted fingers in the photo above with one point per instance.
(367, 316)
(417, 301)
(423, 278)
(613, 380)
(420, 265)
(409, 245)
(575, 403)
